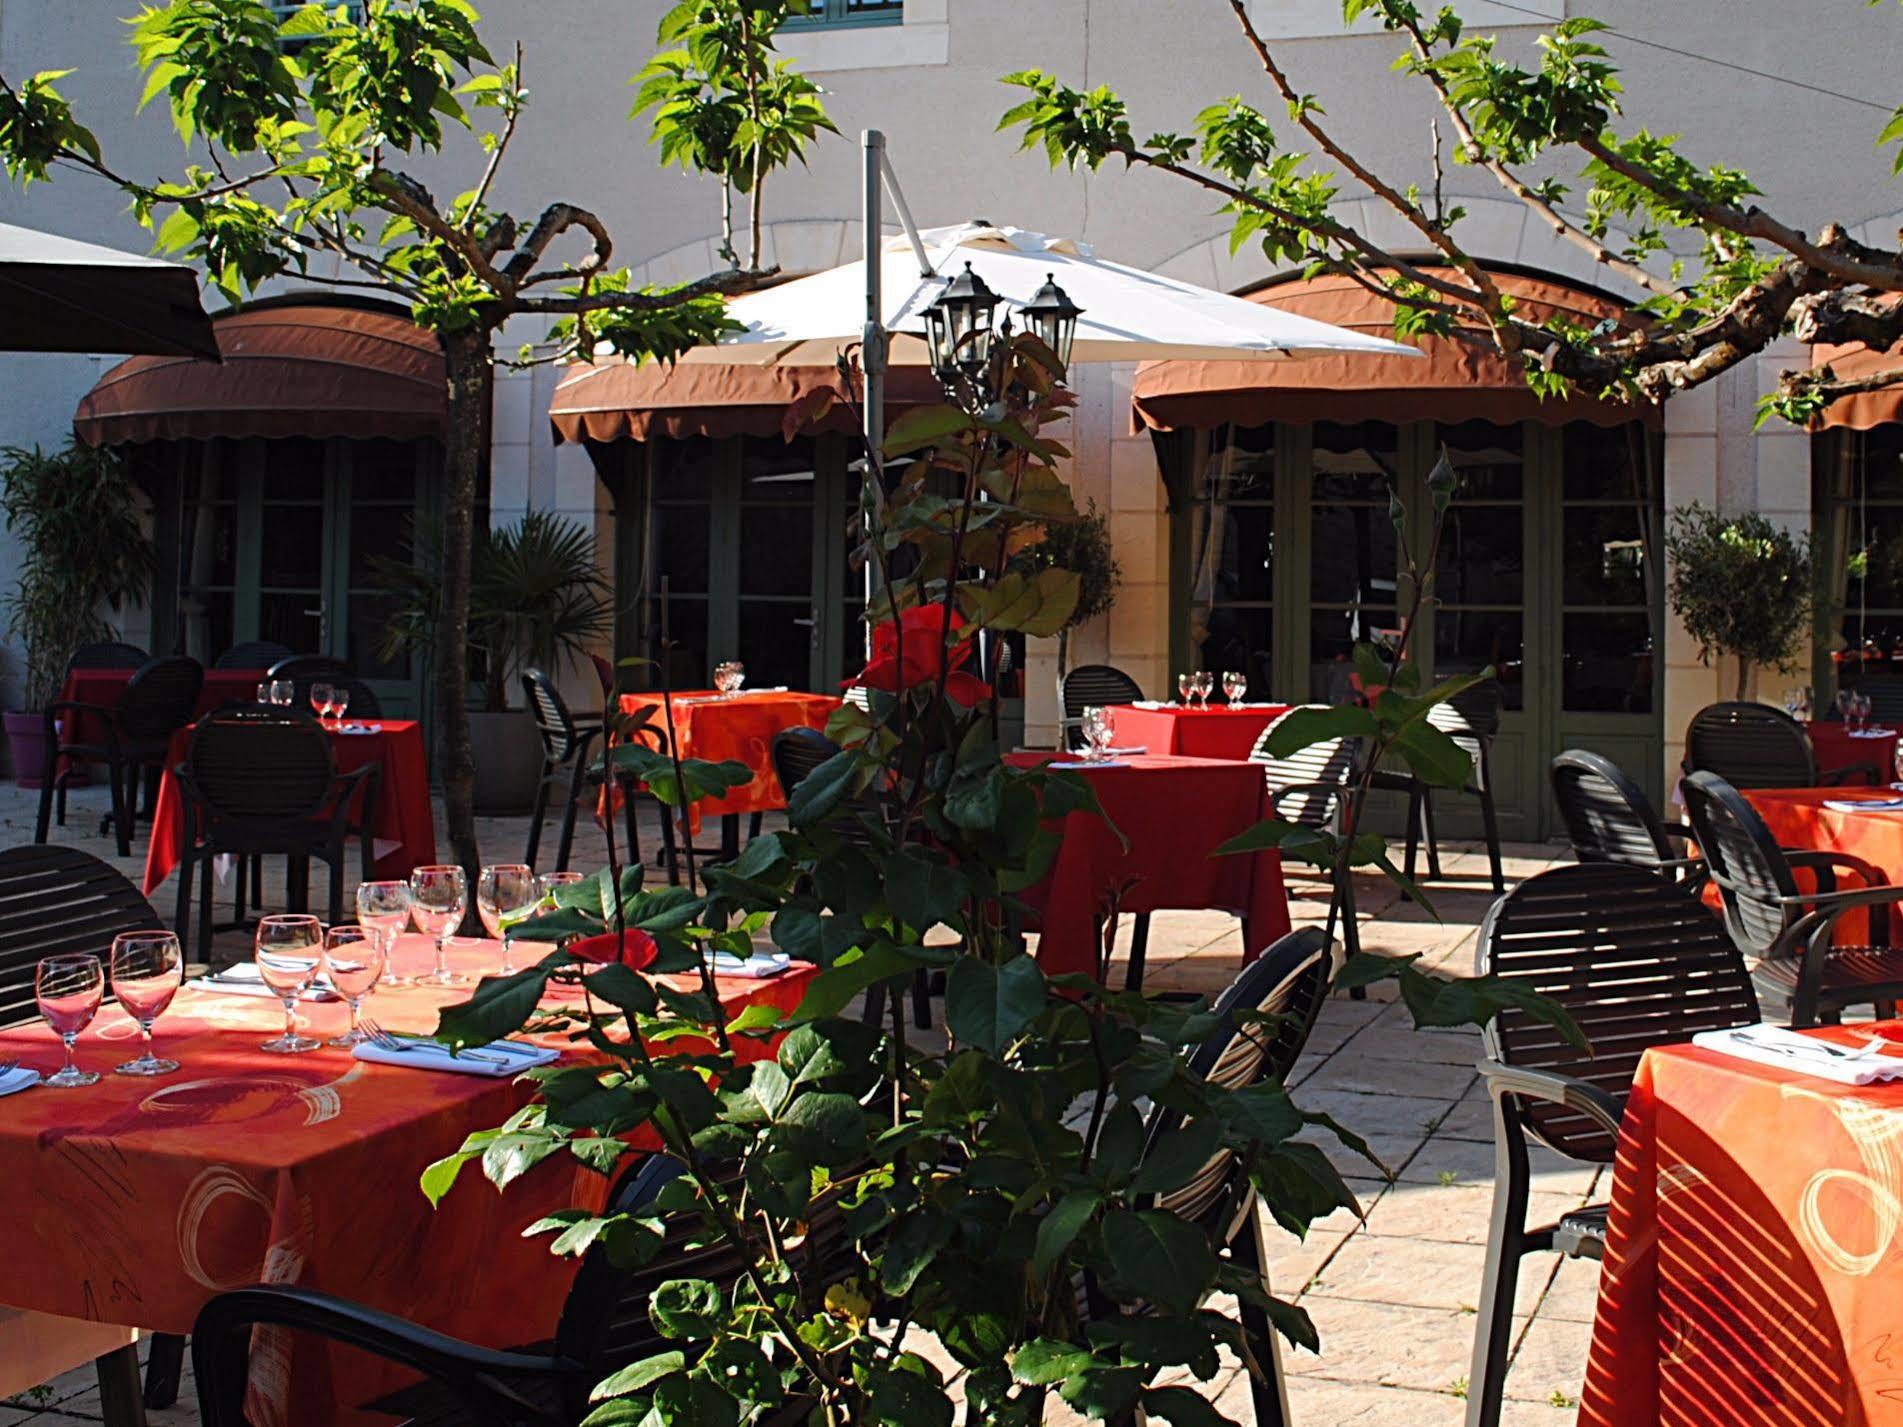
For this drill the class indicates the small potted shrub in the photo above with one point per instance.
(1082, 546)
(1742, 585)
(83, 551)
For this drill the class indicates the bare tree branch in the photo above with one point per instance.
(557, 219)
(405, 195)
(726, 283)
(495, 155)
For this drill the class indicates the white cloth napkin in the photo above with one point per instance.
(1872, 732)
(19, 1078)
(501, 1058)
(1131, 752)
(1792, 1050)
(1864, 805)
(1082, 767)
(1151, 704)
(761, 966)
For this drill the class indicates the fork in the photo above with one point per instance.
(383, 1040)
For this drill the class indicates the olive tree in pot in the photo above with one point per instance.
(83, 551)
(1741, 585)
(1082, 546)
(537, 600)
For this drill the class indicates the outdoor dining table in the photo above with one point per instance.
(403, 826)
(1839, 748)
(1175, 812)
(1219, 731)
(1753, 1270)
(1804, 818)
(739, 727)
(132, 1201)
(104, 687)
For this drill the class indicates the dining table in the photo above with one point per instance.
(403, 826)
(1219, 731)
(132, 1201)
(1154, 849)
(105, 686)
(1839, 746)
(706, 724)
(1851, 819)
(1753, 1268)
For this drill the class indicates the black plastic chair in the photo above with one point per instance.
(1637, 960)
(261, 781)
(130, 737)
(1788, 929)
(1289, 982)
(308, 666)
(1608, 817)
(1757, 746)
(569, 759)
(259, 654)
(53, 901)
(1093, 685)
(108, 654)
(1472, 719)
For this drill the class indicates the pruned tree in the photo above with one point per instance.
(295, 131)
(1723, 275)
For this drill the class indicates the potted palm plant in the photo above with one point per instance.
(83, 552)
(537, 601)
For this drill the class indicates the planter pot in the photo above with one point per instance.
(26, 733)
(508, 757)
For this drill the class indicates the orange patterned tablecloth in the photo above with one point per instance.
(1754, 1271)
(740, 728)
(133, 1201)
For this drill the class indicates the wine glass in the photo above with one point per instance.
(147, 969)
(549, 881)
(1806, 701)
(506, 894)
(1234, 685)
(1205, 683)
(339, 701)
(69, 990)
(737, 672)
(264, 691)
(439, 896)
(288, 951)
(353, 961)
(320, 701)
(1094, 725)
(1791, 702)
(283, 692)
(1185, 688)
(1101, 735)
(1844, 697)
(384, 907)
(1863, 712)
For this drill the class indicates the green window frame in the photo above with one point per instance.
(840, 14)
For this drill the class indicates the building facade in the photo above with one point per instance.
(1249, 537)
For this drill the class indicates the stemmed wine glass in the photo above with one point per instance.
(289, 949)
(1205, 683)
(1234, 685)
(1844, 699)
(384, 907)
(1862, 710)
(1805, 702)
(506, 894)
(339, 702)
(354, 959)
(439, 896)
(69, 990)
(1096, 733)
(147, 969)
(320, 701)
(283, 692)
(1792, 703)
(1186, 689)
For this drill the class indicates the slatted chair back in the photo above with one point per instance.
(258, 654)
(1750, 746)
(1290, 981)
(859, 696)
(1886, 698)
(1471, 718)
(1636, 960)
(55, 900)
(1745, 862)
(1093, 685)
(108, 654)
(259, 764)
(1607, 815)
(159, 699)
(318, 667)
(1306, 788)
(797, 752)
(552, 719)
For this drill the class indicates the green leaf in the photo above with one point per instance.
(1160, 1257)
(623, 987)
(831, 1123)
(636, 1376)
(441, 1174)
(1301, 727)
(988, 1006)
(1043, 1361)
(500, 1006)
(1261, 1112)
(822, 790)
(1433, 755)
(910, 1248)
(833, 989)
(922, 889)
(688, 1308)
(1177, 1157)
(1059, 1228)
(924, 426)
(1183, 1406)
(693, 1402)
(908, 1399)
(1107, 1393)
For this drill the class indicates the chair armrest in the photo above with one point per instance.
(104, 713)
(1674, 833)
(1864, 772)
(1827, 908)
(344, 792)
(480, 1377)
(1556, 1089)
(1828, 860)
(1303, 790)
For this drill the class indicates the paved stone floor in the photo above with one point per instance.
(1392, 1292)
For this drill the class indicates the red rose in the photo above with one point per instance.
(637, 949)
(927, 649)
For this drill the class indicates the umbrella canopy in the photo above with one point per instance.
(60, 295)
(1128, 315)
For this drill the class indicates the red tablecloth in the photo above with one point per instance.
(405, 828)
(1836, 748)
(740, 728)
(1798, 818)
(1216, 732)
(1753, 1274)
(104, 686)
(133, 1201)
(1175, 813)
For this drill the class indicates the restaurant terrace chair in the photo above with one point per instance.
(1608, 817)
(1756, 746)
(315, 667)
(569, 758)
(1091, 685)
(1789, 930)
(1288, 982)
(108, 654)
(1472, 719)
(261, 781)
(258, 654)
(129, 736)
(1637, 960)
(53, 901)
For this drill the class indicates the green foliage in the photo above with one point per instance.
(1083, 547)
(1741, 585)
(76, 516)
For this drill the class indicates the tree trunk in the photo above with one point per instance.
(1744, 676)
(468, 359)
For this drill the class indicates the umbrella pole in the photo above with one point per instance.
(872, 348)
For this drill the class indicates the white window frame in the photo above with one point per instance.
(921, 39)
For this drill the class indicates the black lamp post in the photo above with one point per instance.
(963, 342)
(1052, 318)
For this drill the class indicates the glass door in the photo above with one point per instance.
(776, 612)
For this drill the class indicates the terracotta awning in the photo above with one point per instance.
(616, 401)
(1865, 409)
(1457, 382)
(289, 369)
